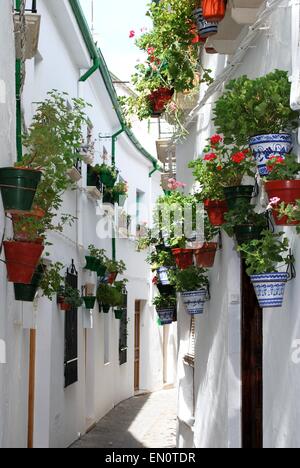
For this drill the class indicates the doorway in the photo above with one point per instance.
(137, 345)
(252, 366)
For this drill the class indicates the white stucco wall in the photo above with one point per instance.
(217, 372)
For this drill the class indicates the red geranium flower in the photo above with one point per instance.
(219, 168)
(215, 139)
(210, 157)
(238, 157)
(150, 50)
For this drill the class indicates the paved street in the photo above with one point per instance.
(147, 421)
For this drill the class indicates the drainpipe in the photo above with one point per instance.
(156, 168)
(113, 159)
(18, 100)
(92, 70)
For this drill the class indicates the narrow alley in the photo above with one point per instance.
(145, 421)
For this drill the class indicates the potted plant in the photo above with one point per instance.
(69, 298)
(165, 307)
(193, 284)
(110, 296)
(205, 28)
(206, 253)
(214, 10)
(22, 259)
(18, 187)
(258, 110)
(108, 175)
(96, 261)
(27, 292)
(51, 280)
(262, 259)
(245, 223)
(282, 185)
(88, 296)
(117, 194)
(93, 179)
(291, 213)
(162, 261)
(113, 269)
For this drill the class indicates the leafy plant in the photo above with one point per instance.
(164, 302)
(267, 254)
(105, 169)
(281, 168)
(244, 215)
(251, 107)
(161, 258)
(70, 296)
(110, 295)
(292, 212)
(52, 280)
(191, 279)
(113, 266)
(99, 254)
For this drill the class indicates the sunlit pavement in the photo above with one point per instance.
(147, 421)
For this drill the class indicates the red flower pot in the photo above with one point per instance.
(112, 278)
(22, 259)
(63, 305)
(288, 191)
(216, 210)
(214, 10)
(159, 99)
(205, 256)
(184, 258)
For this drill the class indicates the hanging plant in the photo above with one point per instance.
(193, 284)
(244, 223)
(28, 292)
(96, 261)
(111, 295)
(165, 307)
(118, 194)
(69, 298)
(108, 175)
(88, 296)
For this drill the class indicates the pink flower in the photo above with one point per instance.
(173, 106)
(131, 34)
(174, 185)
(273, 202)
(154, 67)
(150, 50)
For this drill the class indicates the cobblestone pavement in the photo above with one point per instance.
(147, 421)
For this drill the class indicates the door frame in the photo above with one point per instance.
(137, 344)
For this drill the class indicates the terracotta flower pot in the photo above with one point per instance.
(22, 234)
(184, 258)
(22, 259)
(288, 191)
(63, 305)
(216, 210)
(205, 256)
(112, 277)
(214, 10)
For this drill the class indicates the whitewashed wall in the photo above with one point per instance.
(217, 373)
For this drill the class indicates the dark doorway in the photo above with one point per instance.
(137, 345)
(252, 366)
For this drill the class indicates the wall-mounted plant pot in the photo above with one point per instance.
(270, 288)
(235, 196)
(107, 179)
(166, 290)
(23, 233)
(289, 192)
(216, 210)
(163, 275)
(74, 174)
(165, 315)
(214, 10)
(119, 313)
(18, 188)
(22, 259)
(265, 146)
(106, 308)
(89, 302)
(92, 179)
(205, 256)
(112, 277)
(246, 233)
(92, 263)
(63, 305)
(184, 258)
(101, 270)
(205, 28)
(27, 292)
(194, 301)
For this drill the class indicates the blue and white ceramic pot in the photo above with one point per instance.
(205, 28)
(264, 146)
(269, 288)
(165, 315)
(194, 301)
(163, 275)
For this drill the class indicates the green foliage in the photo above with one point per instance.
(164, 302)
(99, 254)
(71, 296)
(208, 179)
(113, 266)
(244, 215)
(286, 168)
(267, 254)
(104, 169)
(52, 280)
(110, 295)
(191, 279)
(161, 259)
(292, 212)
(252, 107)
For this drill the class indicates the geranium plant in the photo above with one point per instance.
(164, 301)
(191, 279)
(244, 216)
(280, 168)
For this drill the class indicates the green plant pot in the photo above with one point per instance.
(89, 302)
(119, 314)
(92, 263)
(237, 196)
(105, 308)
(92, 179)
(247, 233)
(18, 188)
(27, 292)
(109, 198)
(107, 179)
(101, 270)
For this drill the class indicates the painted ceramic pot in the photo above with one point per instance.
(270, 288)
(194, 301)
(265, 146)
(205, 28)
(163, 275)
(165, 315)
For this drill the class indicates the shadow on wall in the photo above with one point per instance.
(113, 431)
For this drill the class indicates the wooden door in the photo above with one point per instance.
(137, 344)
(252, 366)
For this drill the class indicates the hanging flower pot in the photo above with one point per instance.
(184, 258)
(165, 290)
(22, 259)
(23, 231)
(265, 146)
(108, 176)
(214, 10)
(105, 308)
(92, 179)
(159, 100)
(246, 233)
(216, 210)
(112, 277)
(89, 302)
(205, 28)
(62, 304)
(235, 195)
(163, 275)
(270, 288)
(205, 256)
(18, 188)
(92, 263)
(119, 313)
(27, 292)
(288, 191)
(194, 301)
(165, 315)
